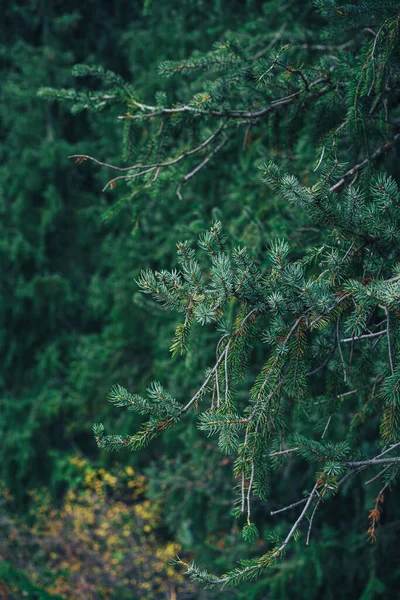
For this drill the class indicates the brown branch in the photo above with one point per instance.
(156, 165)
(231, 114)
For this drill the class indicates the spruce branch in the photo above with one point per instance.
(153, 111)
(307, 305)
(265, 561)
(144, 169)
(158, 164)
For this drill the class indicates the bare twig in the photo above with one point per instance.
(152, 111)
(323, 364)
(204, 162)
(326, 427)
(275, 512)
(320, 159)
(271, 44)
(377, 154)
(365, 336)
(340, 351)
(226, 375)
(393, 447)
(373, 461)
(312, 518)
(113, 181)
(330, 309)
(217, 388)
(289, 451)
(158, 164)
(298, 521)
(373, 56)
(358, 470)
(204, 385)
(388, 339)
(213, 370)
(379, 475)
(249, 492)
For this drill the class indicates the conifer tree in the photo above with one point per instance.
(306, 368)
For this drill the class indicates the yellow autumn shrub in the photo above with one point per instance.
(102, 542)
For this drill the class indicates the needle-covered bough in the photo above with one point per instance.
(324, 317)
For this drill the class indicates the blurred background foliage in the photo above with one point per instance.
(79, 523)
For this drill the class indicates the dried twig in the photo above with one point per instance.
(377, 154)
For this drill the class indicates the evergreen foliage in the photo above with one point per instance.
(269, 163)
(328, 318)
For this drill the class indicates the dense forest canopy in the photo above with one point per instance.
(224, 257)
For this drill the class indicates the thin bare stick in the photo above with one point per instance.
(283, 452)
(217, 389)
(359, 389)
(373, 57)
(294, 72)
(326, 361)
(109, 183)
(213, 370)
(249, 492)
(204, 162)
(320, 159)
(389, 450)
(216, 372)
(379, 152)
(312, 518)
(364, 336)
(388, 340)
(377, 476)
(365, 466)
(246, 136)
(326, 427)
(152, 111)
(226, 374)
(373, 461)
(212, 408)
(158, 164)
(275, 512)
(205, 382)
(330, 309)
(297, 523)
(350, 475)
(271, 44)
(242, 492)
(340, 351)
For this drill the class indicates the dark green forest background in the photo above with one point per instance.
(78, 522)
